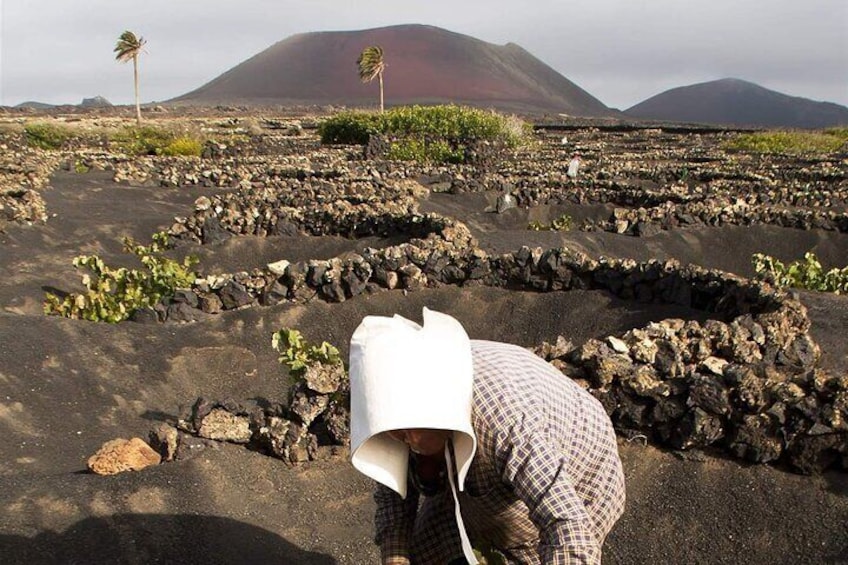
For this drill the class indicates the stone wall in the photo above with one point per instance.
(21, 205)
(688, 385)
(745, 382)
(23, 173)
(748, 388)
(716, 213)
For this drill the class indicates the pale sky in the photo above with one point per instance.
(620, 51)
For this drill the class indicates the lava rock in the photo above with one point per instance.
(234, 295)
(164, 439)
(120, 455)
(756, 438)
(222, 425)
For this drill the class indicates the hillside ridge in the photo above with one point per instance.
(733, 101)
(424, 64)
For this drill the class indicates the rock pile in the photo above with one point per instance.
(23, 173)
(314, 424)
(313, 208)
(688, 385)
(24, 206)
(443, 253)
(220, 169)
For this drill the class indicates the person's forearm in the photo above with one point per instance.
(569, 543)
(394, 548)
(393, 520)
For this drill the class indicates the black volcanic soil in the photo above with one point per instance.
(68, 386)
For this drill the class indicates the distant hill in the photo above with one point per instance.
(424, 65)
(34, 105)
(96, 102)
(737, 102)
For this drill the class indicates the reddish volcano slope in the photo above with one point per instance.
(737, 102)
(424, 65)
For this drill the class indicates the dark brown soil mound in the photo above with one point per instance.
(425, 64)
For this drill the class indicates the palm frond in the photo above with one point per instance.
(370, 63)
(128, 46)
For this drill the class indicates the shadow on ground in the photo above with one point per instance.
(156, 538)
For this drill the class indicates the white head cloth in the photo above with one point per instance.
(405, 376)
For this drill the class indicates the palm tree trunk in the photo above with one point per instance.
(381, 92)
(137, 100)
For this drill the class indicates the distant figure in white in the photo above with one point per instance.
(505, 202)
(564, 141)
(573, 166)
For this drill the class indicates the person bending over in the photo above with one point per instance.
(478, 444)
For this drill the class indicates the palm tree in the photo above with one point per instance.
(371, 65)
(129, 47)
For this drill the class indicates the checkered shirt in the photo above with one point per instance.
(546, 484)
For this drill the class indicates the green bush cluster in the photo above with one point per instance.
(112, 295)
(184, 145)
(44, 135)
(151, 140)
(807, 274)
(80, 167)
(790, 142)
(840, 132)
(425, 133)
(350, 128)
(299, 355)
(562, 223)
(412, 149)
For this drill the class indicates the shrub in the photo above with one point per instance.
(46, 136)
(426, 133)
(562, 223)
(455, 125)
(791, 142)
(411, 149)
(151, 140)
(299, 355)
(112, 295)
(142, 140)
(186, 146)
(352, 128)
(841, 133)
(807, 274)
